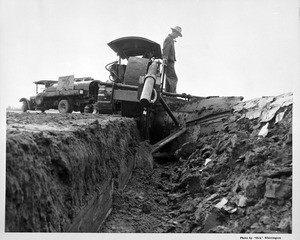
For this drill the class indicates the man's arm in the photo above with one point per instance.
(167, 48)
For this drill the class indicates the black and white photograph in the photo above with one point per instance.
(155, 119)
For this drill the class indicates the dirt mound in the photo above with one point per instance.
(234, 180)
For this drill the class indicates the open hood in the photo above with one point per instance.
(135, 46)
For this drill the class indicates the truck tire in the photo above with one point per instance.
(24, 106)
(64, 106)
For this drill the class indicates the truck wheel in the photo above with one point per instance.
(64, 106)
(24, 106)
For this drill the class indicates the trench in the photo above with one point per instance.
(69, 174)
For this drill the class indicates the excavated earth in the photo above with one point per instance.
(61, 169)
(92, 173)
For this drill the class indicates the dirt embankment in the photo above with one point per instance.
(235, 178)
(61, 169)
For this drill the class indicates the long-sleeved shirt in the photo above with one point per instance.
(169, 49)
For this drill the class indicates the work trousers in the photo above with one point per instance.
(171, 78)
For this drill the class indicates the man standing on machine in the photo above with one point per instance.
(169, 59)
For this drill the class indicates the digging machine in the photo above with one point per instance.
(136, 89)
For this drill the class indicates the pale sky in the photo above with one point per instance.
(244, 48)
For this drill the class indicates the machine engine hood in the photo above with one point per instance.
(135, 46)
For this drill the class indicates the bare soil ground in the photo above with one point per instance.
(58, 167)
(233, 180)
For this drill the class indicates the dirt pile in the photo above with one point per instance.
(237, 179)
(61, 169)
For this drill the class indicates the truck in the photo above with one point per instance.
(68, 94)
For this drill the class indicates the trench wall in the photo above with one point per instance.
(61, 180)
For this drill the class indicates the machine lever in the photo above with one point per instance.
(165, 105)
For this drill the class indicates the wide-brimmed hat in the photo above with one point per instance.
(178, 30)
